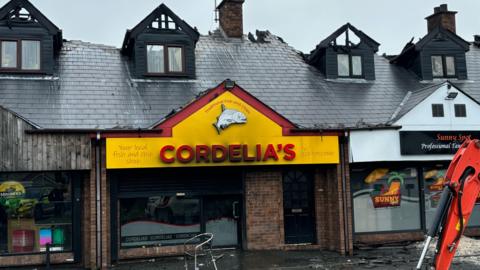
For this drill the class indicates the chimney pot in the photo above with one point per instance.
(231, 17)
(442, 17)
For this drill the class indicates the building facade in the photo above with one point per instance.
(111, 154)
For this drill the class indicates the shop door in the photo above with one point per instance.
(298, 207)
(222, 216)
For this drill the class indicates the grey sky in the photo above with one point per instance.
(301, 23)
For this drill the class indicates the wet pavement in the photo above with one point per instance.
(388, 258)
(373, 258)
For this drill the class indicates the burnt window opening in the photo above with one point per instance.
(349, 65)
(21, 15)
(164, 22)
(20, 55)
(443, 66)
(437, 110)
(460, 110)
(165, 59)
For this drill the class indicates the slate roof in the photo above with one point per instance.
(92, 87)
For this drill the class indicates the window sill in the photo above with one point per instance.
(27, 76)
(349, 80)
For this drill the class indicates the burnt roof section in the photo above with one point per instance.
(92, 87)
(162, 9)
(16, 5)
(438, 33)
(363, 37)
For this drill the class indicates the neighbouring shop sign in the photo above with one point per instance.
(225, 132)
(433, 142)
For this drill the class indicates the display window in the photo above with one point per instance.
(385, 199)
(158, 220)
(35, 210)
(433, 182)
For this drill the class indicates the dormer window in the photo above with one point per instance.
(346, 53)
(349, 65)
(443, 66)
(25, 58)
(162, 45)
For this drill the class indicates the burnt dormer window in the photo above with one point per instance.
(347, 53)
(28, 40)
(162, 45)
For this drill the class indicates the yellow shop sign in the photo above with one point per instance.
(226, 131)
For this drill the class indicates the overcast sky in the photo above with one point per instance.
(301, 23)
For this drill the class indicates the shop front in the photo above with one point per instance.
(225, 164)
(396, 192)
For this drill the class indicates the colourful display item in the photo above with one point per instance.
(58, 237)
(23, 241)
(45, 236)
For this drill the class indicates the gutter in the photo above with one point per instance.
(93, 131)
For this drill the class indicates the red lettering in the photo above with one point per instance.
(163, 154)
(270, 153)
(222, 150)
(234, 153)
(259, 152)
(202, 152)
(190, 154)
(289, 152)
(246, 157)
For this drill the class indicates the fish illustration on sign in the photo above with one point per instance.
(229, 117)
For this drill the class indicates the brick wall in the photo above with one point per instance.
(105, 208)
(387, 238)
(264, 210)
(39, 259)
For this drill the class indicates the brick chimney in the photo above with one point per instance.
(442, 17)
(231, 17)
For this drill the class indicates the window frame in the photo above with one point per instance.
(464, 109)
(166, 63)
(350, 66)
(444, 65)
(433, 110)
(19, 69)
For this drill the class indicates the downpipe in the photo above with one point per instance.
(344, 194)
(98, 201)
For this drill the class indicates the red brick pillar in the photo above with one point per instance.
(264, 210)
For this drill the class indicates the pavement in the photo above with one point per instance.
(385, 258)
(371, 258)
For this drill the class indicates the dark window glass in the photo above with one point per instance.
(460, 110)
(437, 110)
(385, 199)
(9, 54)
(35, 209)
(159, 220)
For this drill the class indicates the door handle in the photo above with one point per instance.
(234, 209)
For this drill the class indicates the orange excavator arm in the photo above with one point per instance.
(456, 204)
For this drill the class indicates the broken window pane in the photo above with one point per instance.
(450, 65)
(31, 54)
(175, 59)
(155, 59)
(356, 65)
(343, 65)
(437, 66)
(9, 54)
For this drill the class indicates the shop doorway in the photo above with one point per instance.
(298, 207)
(222, 218)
